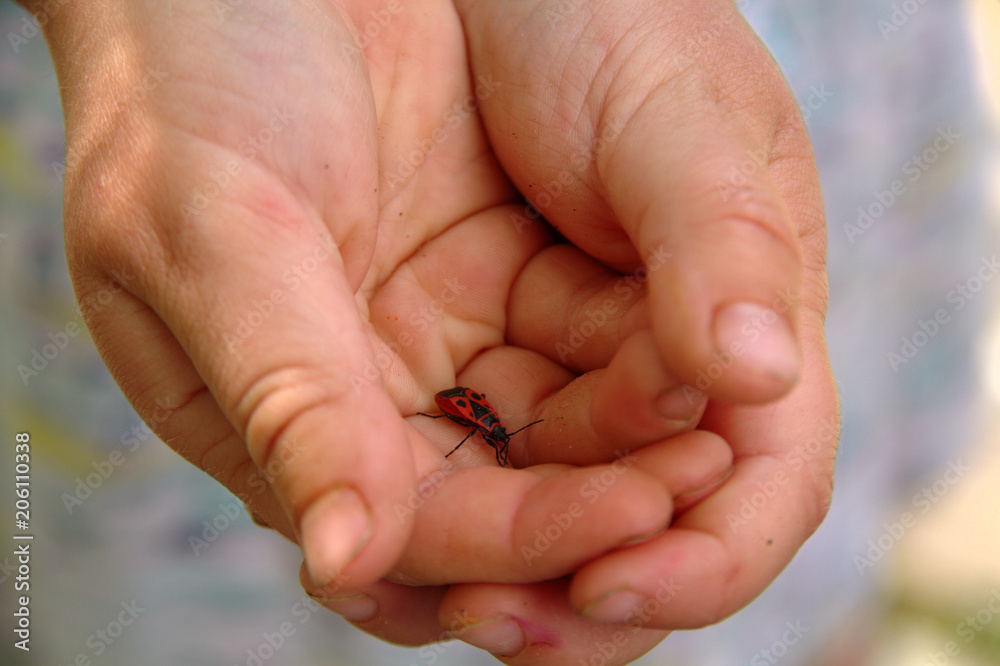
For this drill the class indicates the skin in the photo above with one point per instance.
(308, 232)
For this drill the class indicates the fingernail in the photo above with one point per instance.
(355, 608)
(711, 484)
(501, 636)
(334, 530)
(680, 404)
(615, 607)
(643, 538)
(757, 337)
(257, 519)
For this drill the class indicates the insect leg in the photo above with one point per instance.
(460, 444)
(502, 455)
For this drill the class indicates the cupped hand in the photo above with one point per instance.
(661, 140)
(306, 230)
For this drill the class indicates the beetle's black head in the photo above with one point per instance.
(499, 434)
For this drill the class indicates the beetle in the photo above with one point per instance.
(469, 408)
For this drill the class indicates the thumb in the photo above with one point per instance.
(268, 367)
(725, 265)
(684, 148)
(244, 237)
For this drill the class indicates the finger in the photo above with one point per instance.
(338, 449)
(533, 624)
(728, 548)
(525, 387)
(574, 310)
(597, 416)
(542, 522)
(725, 303)
(581, 314)
(637, 401)
(700, 572)
(725, 183)
(294, 407)
(671, 163)
(532, 525)
(691, 466)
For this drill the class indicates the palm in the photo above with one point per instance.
(446, 255)
(450, 240)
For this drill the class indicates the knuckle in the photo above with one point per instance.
(275, 407)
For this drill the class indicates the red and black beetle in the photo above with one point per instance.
(469, 408)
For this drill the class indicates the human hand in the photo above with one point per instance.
(189, 316)
(237, 237)
(269, 270)
(726, 550)
(660, 137)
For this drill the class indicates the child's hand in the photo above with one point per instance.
(304, 241)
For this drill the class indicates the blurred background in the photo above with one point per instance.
(140, 558)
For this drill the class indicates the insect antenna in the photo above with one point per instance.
(511, 434)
